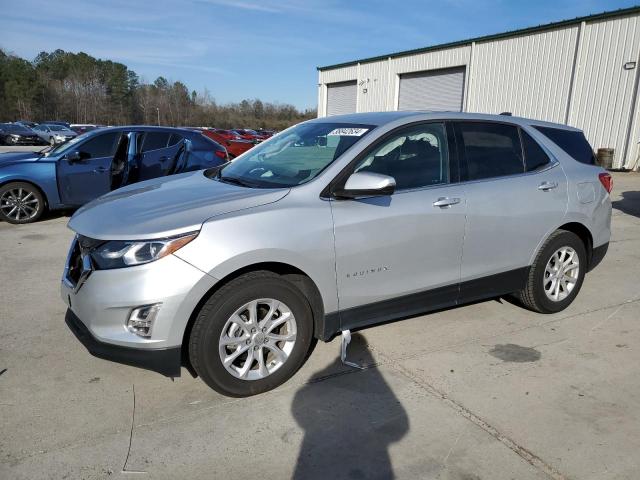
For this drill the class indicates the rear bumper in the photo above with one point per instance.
(166, 361)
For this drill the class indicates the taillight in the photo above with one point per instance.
(221, 154)
(606, 181)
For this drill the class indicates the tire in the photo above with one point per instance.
(52, 141)
(214, 323)
(26, 198)
(539, 292)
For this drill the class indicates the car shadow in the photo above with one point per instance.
(349, 421)
(629, 203)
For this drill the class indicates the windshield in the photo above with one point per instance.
(65, 147)
(57, 128)
(294, 156)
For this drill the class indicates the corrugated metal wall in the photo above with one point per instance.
(529, 76)
(572, 74)
(603, 94)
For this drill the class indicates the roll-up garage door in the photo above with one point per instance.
(341, 98)
(437, 90)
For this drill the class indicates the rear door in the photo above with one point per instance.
(80, 181)
(397, 254)
(516, 195)
(159, 153)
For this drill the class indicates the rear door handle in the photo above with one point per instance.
(100, 170)
(546, 186)
(445, 202)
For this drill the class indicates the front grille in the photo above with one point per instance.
(79, 265)
(74, 267)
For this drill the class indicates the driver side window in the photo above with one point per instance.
(415, 157)
(100, 146)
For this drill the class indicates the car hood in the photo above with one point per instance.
(165, 206)
(10, 158)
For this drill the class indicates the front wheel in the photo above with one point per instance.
(20, 203)
(556, 275)
(52, 141)
(252, 335)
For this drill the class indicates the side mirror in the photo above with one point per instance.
(366, 184)
(322, 141)
(74, 156)
(77, 156)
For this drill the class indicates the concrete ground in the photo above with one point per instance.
(485, 391)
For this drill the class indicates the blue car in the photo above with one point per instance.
(95, 163)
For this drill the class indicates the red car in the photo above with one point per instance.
(252, 135)
(226, 134)
(233, 143)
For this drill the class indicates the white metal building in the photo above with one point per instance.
(583, 72)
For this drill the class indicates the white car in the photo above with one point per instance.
(54, 134)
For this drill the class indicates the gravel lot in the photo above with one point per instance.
(485, 391)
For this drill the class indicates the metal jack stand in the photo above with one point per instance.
(346, 339)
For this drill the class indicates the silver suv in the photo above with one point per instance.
(338, 223)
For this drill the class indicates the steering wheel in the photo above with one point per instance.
(257, 171)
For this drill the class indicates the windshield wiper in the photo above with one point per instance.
(234, 181)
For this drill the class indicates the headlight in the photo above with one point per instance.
(127, 253)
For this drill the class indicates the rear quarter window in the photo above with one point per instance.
(535, 157)
(572, 142)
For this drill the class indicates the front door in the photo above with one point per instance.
(82, 179)
(400, 254)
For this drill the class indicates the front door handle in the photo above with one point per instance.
(546, 186)
(443, 202)
(100, 170)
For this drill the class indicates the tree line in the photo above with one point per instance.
(79, 88)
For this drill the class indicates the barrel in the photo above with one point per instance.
(605, 157)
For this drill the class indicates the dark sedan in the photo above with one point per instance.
(15, 134)
(95, 163)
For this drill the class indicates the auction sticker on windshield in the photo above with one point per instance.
(348, 132)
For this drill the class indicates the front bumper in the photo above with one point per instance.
(101, 304)
(166, 361)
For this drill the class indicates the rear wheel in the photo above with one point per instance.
(252, 335)
(20, 202)
(556, 275)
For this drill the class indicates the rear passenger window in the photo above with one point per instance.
(174, 139)
(490, 149)
(534, 156)
(572, 142)
(155, 140)
(415, 157)
(100, 146)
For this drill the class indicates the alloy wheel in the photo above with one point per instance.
(19, 204)
(561, 274)
(257, 339)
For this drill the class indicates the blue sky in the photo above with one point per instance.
(267, 49)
